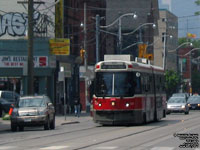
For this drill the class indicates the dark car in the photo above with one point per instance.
(9, 95)
(4, 106)
(194, 102)
(33, 111)
(7, 99)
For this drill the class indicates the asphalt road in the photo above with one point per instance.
(167, 134)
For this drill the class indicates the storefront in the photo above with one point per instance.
(13, 67)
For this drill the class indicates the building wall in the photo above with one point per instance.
(146, 12)
(168, 26)
(14, 19)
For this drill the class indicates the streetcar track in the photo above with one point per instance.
(98, 143)
(162, 136)
(136, 133)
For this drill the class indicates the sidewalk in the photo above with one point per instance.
(60, 120)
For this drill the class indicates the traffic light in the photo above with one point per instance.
(82, 54)
(142, 50)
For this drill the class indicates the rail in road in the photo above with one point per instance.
(88, 135)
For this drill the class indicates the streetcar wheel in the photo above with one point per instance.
(144, 118)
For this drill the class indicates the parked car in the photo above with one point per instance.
(177, 104)
(11, 96)
(194, 102)
(4, 106)
(33, 111)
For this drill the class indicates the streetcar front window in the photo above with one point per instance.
(111, 84)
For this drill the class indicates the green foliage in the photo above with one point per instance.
(6, 117)
(172, 80)
(197, 2)
(196, 43)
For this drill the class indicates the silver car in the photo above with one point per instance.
(177, 104)
(33, 111)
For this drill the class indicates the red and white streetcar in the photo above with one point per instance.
(128, 92)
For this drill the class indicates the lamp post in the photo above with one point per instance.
(164, 50)
(176, 50)
(120, 28)
(145, 24)
(119, 32)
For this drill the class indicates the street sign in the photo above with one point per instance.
(60, 46)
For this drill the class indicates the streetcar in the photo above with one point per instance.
(128, 92)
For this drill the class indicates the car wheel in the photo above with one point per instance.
(3, 113)
(13, 127)
(52, 124)
(21, 128)
(187, 112)
(47, 124)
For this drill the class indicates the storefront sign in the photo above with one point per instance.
(20, 61)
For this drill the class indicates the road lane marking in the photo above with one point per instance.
(6, 147)
(102, 148)
(54, 147)
(163, 148)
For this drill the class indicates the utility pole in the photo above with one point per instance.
(30, 48)
(86, 55)
(97, 37)
(30, 63)
(119, 36)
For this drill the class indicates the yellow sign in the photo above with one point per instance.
(60, 46)
(142, 50)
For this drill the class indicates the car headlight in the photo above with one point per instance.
(41, 112)
(198, 105)
(183, 106)
(168, 106)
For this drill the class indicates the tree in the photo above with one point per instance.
(172, 80)
(198, 3)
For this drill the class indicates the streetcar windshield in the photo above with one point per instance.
(115, 84)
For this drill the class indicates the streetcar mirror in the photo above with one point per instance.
(137, 74)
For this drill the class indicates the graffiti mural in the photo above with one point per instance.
(14, 19)
(15, 24)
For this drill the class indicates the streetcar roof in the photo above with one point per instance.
(136, 65)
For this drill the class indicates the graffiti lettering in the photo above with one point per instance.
(15, 24)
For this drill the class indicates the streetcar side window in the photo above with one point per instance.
(138, 84)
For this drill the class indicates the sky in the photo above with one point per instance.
(184, 10)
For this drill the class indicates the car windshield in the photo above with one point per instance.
(31, 102)
(194, 99)
(179, 95)
(177, 100)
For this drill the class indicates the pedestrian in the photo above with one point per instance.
(77, 107)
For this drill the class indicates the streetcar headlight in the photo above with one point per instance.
(127, 104)
(198, 105)
(113, 103)
(189, 105)
(100, 104)
(183, 106)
